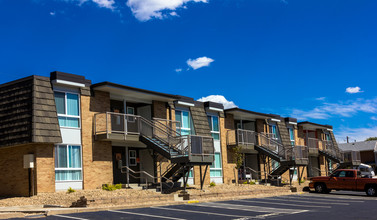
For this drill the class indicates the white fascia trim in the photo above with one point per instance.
(215, 109)
(292, 123)
(185, 103)
(329, 129)
(274, 119)
(68, 83)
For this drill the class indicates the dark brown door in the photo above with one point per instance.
(119, 156)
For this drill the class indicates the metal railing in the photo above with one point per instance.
(269, 142)
(328, 147)
(351, 156)
(241, 137)
(313, 145)
(163, 130)
(301, 153)
(133, 174)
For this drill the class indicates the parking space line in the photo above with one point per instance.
(337, 196)
(208, 213)
(315, 198)
(250, 208)
(70, 217)
(147, 215)
(310, 202)
(287, 204)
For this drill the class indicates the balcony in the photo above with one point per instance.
(301, 155)
(313, 146)
(245, 139)
(112, 126)
(157, 134)
(351, 158)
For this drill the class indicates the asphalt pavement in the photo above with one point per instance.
(336, 205)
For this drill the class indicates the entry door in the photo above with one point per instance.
(119, 156)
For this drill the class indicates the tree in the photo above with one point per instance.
(238, 158)
(371, 139)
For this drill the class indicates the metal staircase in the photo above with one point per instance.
(286, 156)
(183, 151)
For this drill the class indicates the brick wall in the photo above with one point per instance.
(97, 155)
(14, 179)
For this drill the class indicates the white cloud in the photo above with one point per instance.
(105, 3)
(219, 99)
(178, 70)
(52, 13)
(358, 134)
(199, 62)
(320, 98)
(374, 118)
(145, 10)
(174, 14)
(353, 90)
(342, 109)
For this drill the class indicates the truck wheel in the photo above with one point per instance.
(320, 188)
(370, 191)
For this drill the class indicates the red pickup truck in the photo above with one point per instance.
(344, 179)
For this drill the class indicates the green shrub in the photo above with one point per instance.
(212, 184)
(302, 181)
(245, 182)
(111, 187)
(70, 190)
(252, 183)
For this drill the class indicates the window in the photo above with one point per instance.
(274, 131)
(214, 126)
(327, 136)
(215, 169)
(68, 163)
(292, 135)
(185, 122)
(130, 110)
(132, 157)
(67, 107)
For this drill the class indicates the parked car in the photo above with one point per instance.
(344, 179)
(366, 171)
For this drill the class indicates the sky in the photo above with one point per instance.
(314, 60)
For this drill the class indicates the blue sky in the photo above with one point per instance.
(288, 57)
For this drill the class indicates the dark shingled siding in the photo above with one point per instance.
(28, 112)
(200, 120)
(45, 120)
(284, 135)
(16, 112)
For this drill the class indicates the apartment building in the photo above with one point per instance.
(63, 131)
(324, 153)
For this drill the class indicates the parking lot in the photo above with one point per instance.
(336, 205)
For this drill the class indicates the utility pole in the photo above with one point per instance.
(348, 139)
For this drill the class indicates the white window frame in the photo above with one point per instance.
(129, 158)
(217, 168)
(211, 126)
(66, 106)
(189, 130)
(294, 136)
(69, 169)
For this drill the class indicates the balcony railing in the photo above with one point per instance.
(301, 154)
(351, 157)
(313, 145)
(269, 142)
(111, 123)
(241, 137)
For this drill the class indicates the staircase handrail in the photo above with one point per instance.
(146, 179)
(170, 137)
(260, 173)
(173, 131)
(281, 149)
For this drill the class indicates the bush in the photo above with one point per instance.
(302, 181)
(70, 190)
(111, 187)
(252, 183)
(245, 182)
(212, 184)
